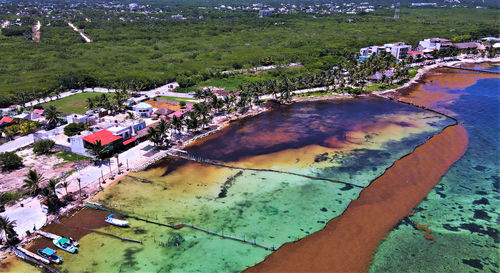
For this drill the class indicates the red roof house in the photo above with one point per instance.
(5, 121)
(104, 136)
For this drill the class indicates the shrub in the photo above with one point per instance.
(10, 161)
(182, 104)
(175, 240)
(74, 128)
(43, 146)
(6, 197)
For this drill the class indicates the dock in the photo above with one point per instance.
(33, 258)
(32, 255)
(48, 235)
(472, 69)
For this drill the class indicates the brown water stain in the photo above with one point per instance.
(347, 243)
(433, 90)
(74, 226)
(365, 135)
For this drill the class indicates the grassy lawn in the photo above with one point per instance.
(315, 94)
(75, 103)
(414, 70)
(381, 87)
(233, 81)
(71, 157)
(179, 99)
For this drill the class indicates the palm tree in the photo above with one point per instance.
(130, 115)
(65, 184)
(98, 150)
(162, 127)
(192, 121)
(7, 226)
(52, 186)
(155, 136)
(90, 103)
(50, 196)
(32, 182)
(177, 123)
(51, 115)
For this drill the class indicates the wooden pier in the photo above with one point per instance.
(33, 255)
(33, 258)
(48, 235)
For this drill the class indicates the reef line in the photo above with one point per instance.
(347, 242)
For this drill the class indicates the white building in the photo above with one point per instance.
(124, 132)
(143, 109)
(432, 44)
(398, 50)
(76, 118)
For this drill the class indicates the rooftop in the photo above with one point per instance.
(104, 136)
(142, 105)
(116, 129)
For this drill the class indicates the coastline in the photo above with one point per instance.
(422, 72)
(224, 121)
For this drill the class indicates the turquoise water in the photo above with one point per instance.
(353, 140)
(462, 208)
(319, 138)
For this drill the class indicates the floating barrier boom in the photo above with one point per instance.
(180, 226)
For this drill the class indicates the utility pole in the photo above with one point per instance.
(396, 10)
(118, 163)
(80, 188)
(110, 172)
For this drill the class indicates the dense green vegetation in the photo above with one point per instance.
(76, 103)
(147, 53)
(10, 161)
(43, 146)
(74, 128)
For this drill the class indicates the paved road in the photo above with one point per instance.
(135, 156)
(164, 91)
(17, 143)
(27, 216)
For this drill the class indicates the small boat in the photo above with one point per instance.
(117, 222)
(73, 242)
(65, 244)
(49, 254)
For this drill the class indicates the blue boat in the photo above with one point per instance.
(65, 244)
(49, 254)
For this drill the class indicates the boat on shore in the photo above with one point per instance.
(49, 254)
(65, 244)
(117, 222)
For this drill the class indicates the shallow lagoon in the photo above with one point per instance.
(350, 140)
(461, 211)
